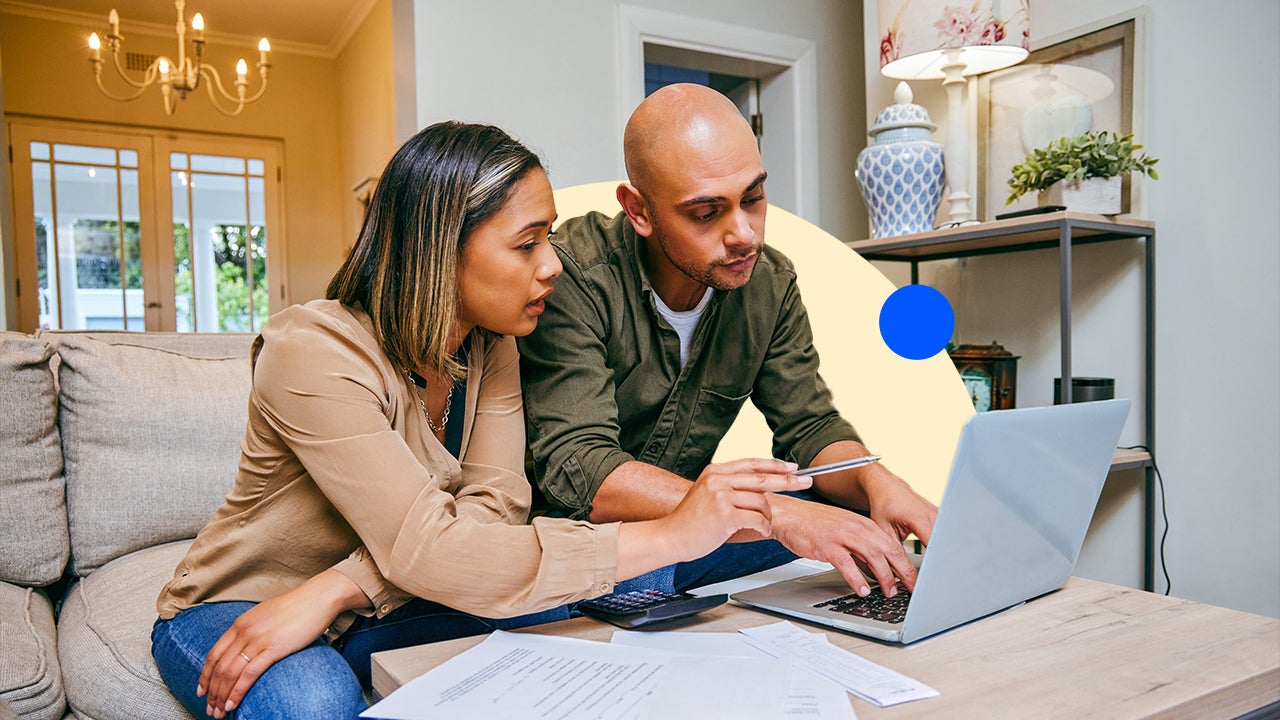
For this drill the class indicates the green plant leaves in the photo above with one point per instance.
(1098, 154)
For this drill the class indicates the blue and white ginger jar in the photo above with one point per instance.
(900, 174)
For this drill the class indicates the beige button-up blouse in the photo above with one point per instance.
(339, 470)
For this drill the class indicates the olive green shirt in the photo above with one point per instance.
(602, 378)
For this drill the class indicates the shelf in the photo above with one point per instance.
(1025, 233)
(1130, 460)
(1061, 231)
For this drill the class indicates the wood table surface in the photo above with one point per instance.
(1088, 650)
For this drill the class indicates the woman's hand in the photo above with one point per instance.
(727, 498)
(271, 630)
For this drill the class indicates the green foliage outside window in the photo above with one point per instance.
(98, 266)
(234, 247)
(97, 247)
(230, 254)
(42, 253)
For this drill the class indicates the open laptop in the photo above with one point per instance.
(1018, 502)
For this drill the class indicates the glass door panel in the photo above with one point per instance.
(219, 231)
(79, 221)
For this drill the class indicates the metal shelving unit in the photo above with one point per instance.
(1063, 230)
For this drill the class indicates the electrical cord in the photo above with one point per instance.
(1164, 511)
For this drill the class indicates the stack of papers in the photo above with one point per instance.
(770, 672)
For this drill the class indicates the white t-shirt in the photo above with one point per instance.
(683, 322)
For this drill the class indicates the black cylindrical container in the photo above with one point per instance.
(1084, 389)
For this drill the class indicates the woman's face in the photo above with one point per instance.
(508, 264)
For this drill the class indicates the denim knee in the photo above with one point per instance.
(313, 682)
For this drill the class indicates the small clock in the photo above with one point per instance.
(989, 373)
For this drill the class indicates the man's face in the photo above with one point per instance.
(707, 207)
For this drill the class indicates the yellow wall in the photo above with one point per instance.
(299, 108)
(366, 112)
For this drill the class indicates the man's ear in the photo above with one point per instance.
(637, 210)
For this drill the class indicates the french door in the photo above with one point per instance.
(133, 229)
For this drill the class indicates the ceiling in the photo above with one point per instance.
(318, 27)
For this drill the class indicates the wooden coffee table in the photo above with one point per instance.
(1090, 649)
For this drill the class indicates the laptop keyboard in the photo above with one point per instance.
(874, 606)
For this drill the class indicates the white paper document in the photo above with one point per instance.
(695, 687)
(869, 681)
(808, 696)
(522, 675)
(518, 675)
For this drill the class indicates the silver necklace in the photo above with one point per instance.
(444, 419)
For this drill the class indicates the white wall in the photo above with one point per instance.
(1212, 116)
(548, 72)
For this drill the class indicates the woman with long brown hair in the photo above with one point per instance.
(380, 498)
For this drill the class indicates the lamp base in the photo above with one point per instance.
(956, 149)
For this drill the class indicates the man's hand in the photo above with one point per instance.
(269, 631)
(847, 540)
(895, 507)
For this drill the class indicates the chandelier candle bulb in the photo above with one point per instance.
(184, 76)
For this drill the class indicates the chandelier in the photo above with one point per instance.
(184, 76)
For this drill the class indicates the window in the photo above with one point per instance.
(134, 230)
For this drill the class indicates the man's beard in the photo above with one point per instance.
(706, 274)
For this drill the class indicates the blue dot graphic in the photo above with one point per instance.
(916, 322)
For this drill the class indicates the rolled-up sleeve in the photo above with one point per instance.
(440, 538)
(791, 394)
(360, 568)
(572, 413)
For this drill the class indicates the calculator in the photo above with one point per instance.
(641, 607)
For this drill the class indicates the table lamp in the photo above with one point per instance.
(952, 39)
(1053, 100)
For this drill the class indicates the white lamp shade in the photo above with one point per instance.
(992, 34)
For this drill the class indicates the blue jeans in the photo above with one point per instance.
(313, 682)
(320, 680)
(422, 621)
(724, 563)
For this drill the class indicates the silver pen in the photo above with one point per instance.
(837, 466)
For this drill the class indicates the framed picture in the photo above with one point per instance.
(1078, 85)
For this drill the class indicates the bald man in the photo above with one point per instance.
(668, 316)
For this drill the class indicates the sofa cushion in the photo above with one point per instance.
(31, 484)
(150, 436)
(30, 679)
(104, 638)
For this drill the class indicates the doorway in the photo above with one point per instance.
(743, 91)
(785, 98)
(133, 229)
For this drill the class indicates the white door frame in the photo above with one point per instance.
(788, 100)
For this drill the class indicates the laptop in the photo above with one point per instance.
(1021, 493)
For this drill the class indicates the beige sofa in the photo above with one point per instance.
(114, 449)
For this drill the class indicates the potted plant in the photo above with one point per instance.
(1081, 172)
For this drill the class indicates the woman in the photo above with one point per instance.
(383, 458)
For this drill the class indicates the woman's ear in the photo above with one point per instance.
(637, 211)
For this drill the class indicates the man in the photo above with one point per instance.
(665, 320)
